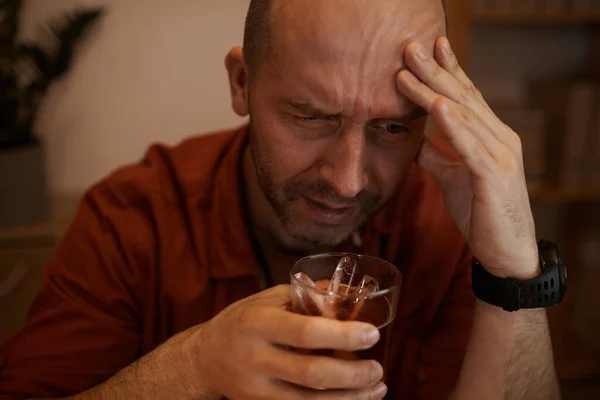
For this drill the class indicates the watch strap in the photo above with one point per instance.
(546, 290)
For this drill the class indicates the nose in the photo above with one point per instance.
(345, 165)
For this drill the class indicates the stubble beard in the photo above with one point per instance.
(282, 199)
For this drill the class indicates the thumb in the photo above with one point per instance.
(438, 159)
(280, 295)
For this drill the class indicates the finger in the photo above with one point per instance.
(448, 61)
(292, 392)
(441, 81)
(306, 332)
(319, 371)
(480, 152)
(461, 125)
(430, 72)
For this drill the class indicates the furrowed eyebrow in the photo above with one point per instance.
(307, 108)
(415, 114)
(311, 109)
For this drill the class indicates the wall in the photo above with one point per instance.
(153, 71)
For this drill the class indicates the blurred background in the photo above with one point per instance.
(87, 85)
(537, 63)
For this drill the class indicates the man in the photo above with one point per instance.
(156, 293)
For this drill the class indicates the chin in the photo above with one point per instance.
(310, 237)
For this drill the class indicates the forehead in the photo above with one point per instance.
(341, 51)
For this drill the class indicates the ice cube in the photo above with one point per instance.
(367, 285)
(341, 281)
(311, 302)
(301, 276)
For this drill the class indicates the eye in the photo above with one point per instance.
(311, 119)
(394, 129)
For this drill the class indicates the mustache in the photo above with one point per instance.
(323, 190)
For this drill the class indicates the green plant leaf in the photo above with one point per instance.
(19, 105)
(68, 34)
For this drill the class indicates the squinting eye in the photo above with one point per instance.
(394, 129)
(311, 119)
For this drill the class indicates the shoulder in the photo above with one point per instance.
(138, 204)
(169, 173)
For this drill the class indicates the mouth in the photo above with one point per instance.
(328, 213)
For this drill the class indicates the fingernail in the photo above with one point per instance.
(370, 337)
(447, 47)
(410, 76)
(376, 372)
(420, 52)
(378, 391)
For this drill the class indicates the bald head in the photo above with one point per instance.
(257, 31)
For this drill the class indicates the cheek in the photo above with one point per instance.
(283, 153)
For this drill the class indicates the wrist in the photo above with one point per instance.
(528, 271)
(523, 269)
(198, 364)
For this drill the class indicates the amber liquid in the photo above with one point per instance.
(376, 311)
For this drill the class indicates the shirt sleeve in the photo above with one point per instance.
(442, 350)
(84, 325)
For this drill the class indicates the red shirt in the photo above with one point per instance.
(162, 245)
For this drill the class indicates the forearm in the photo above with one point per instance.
(509, 356)
(161, 374)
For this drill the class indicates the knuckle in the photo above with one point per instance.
(514, 141)
(249, 354)
(467, 115)
(455, 65)
(476, 152)
(514, 163)
(307, 333)
(465, 97)
(511, 162)
(475, 93)
(247, 321)
(470, 93)
(311, 373)
(438, 105)
(436, 71)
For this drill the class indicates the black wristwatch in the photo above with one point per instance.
(546, 290)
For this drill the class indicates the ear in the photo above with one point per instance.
(237, 70)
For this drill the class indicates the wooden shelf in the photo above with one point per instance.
(564, 195)
(562, 18)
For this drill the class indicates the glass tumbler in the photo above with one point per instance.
(377, 307)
